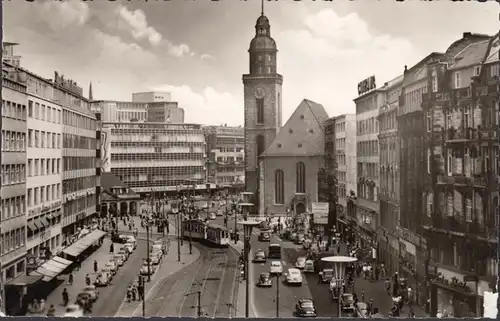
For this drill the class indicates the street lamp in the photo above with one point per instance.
(247, 232)
(147, 248)
(339, 263)
(245, 208)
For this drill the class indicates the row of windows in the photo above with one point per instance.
(229, 159)
(13, 141)
(340, 127)
(415, 97)
(279, 182)
(78, 184)
(367, 126)
(467, 162)
(173, 170)
(12, 240)
(170, 182)
(79, 142)
(80, 162)
(43, 194)
(12, 110)
(388, 180)
(367, 104)
(367, 148)
(13, 174)
(42, 112)
(44, 166)
(158, 156)
(230, 141)
(341, 176)
(467, 117)
(388, 121)
(388, 152)
(230, 169)
(340, 143)
(79, 121)
(231, 149)
(79, 204)
(341, 192)
(42, 224)
(229, 179)
(13, 207)
(368, 192)
(341, 159)
(158, 136)
(368, 170)
(42, 139)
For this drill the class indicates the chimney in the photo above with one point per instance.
(406, 68)
(467, 34)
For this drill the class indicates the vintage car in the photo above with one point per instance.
(347, 301)
(145, 270)
(259, 257)
(129, 247)
(118, 259)
(361, 310)
(309, 266)
(305, 308)
(293, 277)
(265, 280)
(124, 252)
(92, 291)
(276, 268)
(103, 279)
(265, 236)
(74, 311)
(113, 267)
(301, 262)
(326, 275)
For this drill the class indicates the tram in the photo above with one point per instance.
(206, 233)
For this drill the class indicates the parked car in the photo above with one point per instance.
(301, 262)
(265, 280)
(361, 310)
(83, 298)
(115, 238)
(293, 277)
(259, 257)
(157, 248)
(119, 260)
(347, 301)
(276, 268)
(155, 258)
(264, 225)
(265, 236)
(92, 291)
(124, 252)
(102, 279)
(131, 239)
(309, 266)
(74, 311)
(305, 308)
(130, 247)
(326, 275)
(145, 270)
(112, 266)
(110, 273)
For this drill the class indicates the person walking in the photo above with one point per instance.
(52, 311)
(111, 248)
(65, 297)
(96, 266)
(70, 279)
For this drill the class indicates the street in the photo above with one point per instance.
(214, 274)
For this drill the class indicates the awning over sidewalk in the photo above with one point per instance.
(23, 279)
(53, 268)
(84, 243)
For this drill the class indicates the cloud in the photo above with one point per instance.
(207, 57)
(208, 106)
(337, 52)
(66, 14)
(138, 24)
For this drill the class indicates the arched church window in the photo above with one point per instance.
(279, 187)
(260, 110)
(300, 185)
(260, 141)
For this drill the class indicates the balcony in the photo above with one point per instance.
(445, 179)
(459, 136)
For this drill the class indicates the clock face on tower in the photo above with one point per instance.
(259, 92)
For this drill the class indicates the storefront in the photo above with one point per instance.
(388, 251)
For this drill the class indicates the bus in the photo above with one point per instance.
(274, 251)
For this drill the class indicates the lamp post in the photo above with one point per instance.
(247, 230)
(147, 249)
(245, 209)
(339, 264)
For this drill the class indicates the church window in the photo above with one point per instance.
(260, 144)
(279, 187)
(301, 178)
(260, 110)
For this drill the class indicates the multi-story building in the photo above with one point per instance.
(138, 110)
(44, 168)
(461, 204)
(345, 150)
(225, 150)
(413, 251)
(327, 176)
(13, 187)
(79, 149)
(154, 157)
(367, 206)
(151, 97)
(389, 175)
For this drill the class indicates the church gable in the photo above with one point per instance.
(302, 134)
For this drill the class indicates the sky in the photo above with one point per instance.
(198, 49)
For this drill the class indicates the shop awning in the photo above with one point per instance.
(53, 268)
(44, 221)
(82, 244)
(23, 279)
(49, 216)
(39, 223)
(32, 226)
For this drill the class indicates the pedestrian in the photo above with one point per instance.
(87, 279)
(70, 279)
(370, 306)
(96, 266)
(42, 305)
(387, 285)
(411, 314)
(362, 295)
(320, 277)
(65, 297)
(409, 296)
(111, 248)
(52, 311)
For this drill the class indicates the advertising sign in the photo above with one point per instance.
(366, 85)
(320, 212)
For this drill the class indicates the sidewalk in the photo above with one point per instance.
(381, 300)
(168, 267)
(101, 255)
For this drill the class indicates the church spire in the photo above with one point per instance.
(262, 8)
(91, 97)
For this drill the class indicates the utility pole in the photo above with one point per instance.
(277, 295)
(199, 304)
(178, 236)
(147, 250)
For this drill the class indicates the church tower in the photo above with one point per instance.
(262, 92)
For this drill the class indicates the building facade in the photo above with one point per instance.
(327, 176)
(262, 92)
(79, 149)
(367, 168)
(13, 187)
(290, 165)
(44, 169)
(226, 155)
(461, 194)
(154, 157)
(389, 175)
(151, 97)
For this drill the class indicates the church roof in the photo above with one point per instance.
(303, 133)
